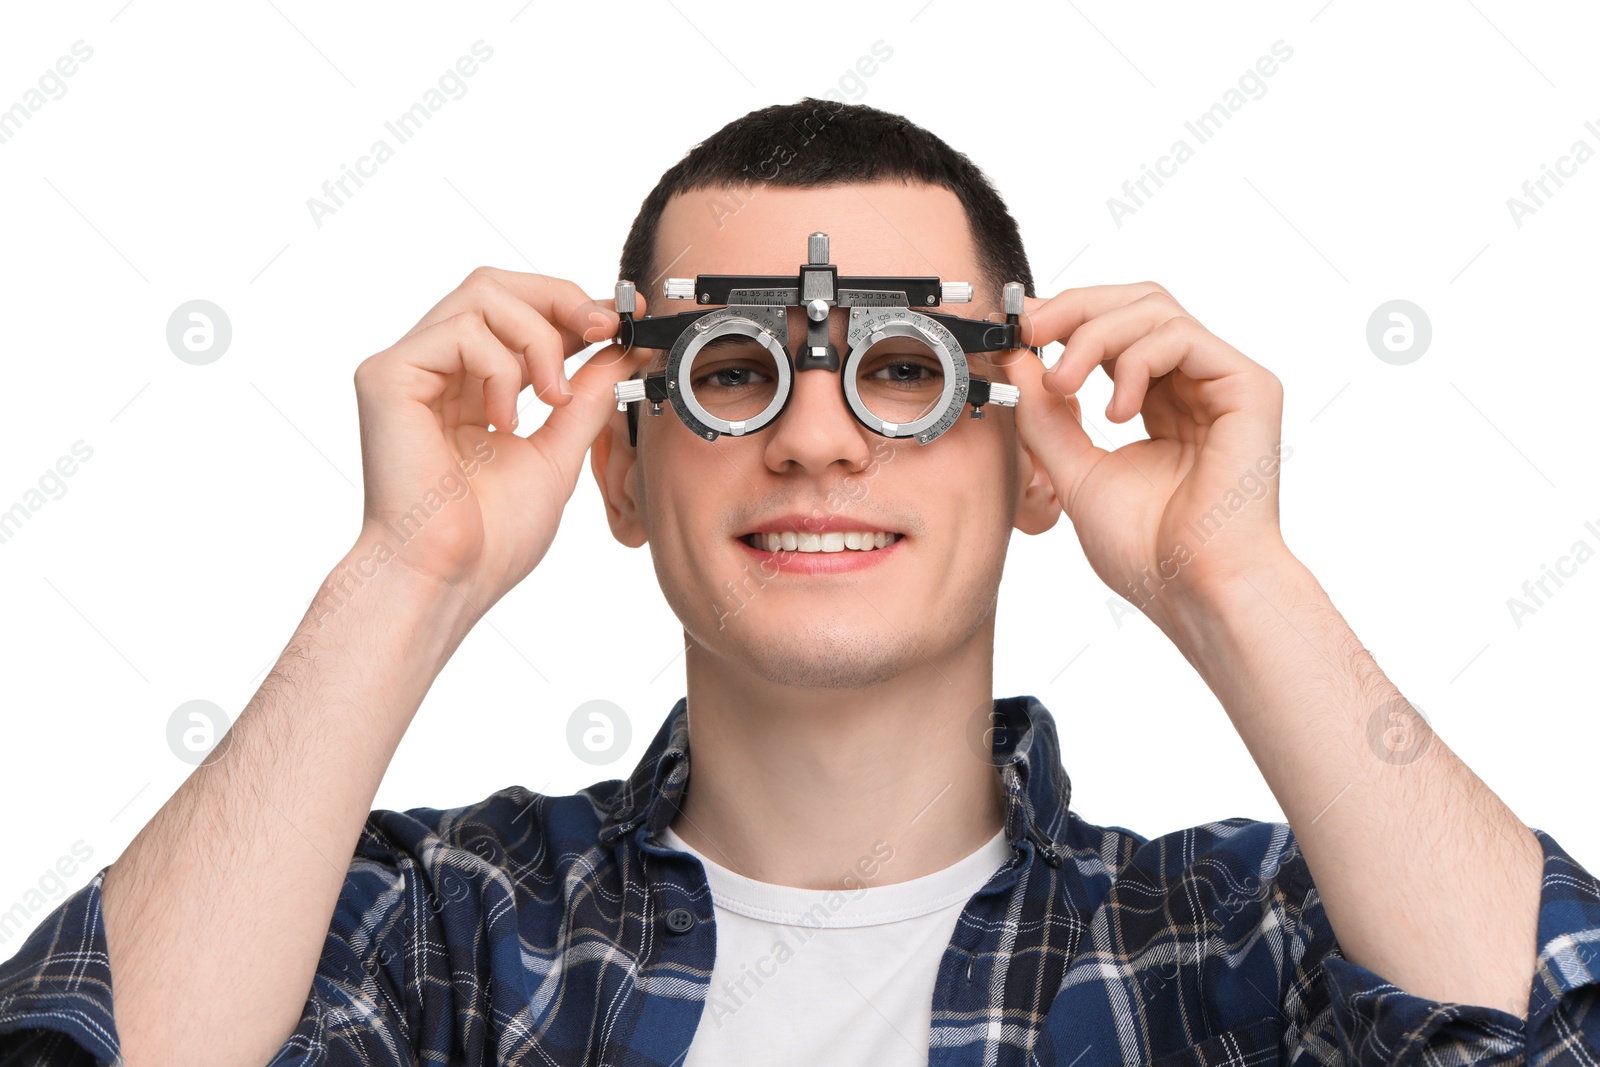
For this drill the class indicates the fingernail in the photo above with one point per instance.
(566, 390)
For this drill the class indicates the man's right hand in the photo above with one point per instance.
(426, 405)
(246, 861)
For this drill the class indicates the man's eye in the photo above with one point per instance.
(910, 370)
(731, 377)
(906, 371)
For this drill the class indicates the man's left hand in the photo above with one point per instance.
(1194, 503)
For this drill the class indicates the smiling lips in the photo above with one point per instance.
(820, 554)
(831, 541)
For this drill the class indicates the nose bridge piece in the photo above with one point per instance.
(817, 350)
(818, 294)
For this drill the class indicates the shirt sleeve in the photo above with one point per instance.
(1359, 1017)
(55, 993)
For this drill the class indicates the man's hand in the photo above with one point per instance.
(427, 403)
(1163, 510)
(1427, 879)
(247, 860)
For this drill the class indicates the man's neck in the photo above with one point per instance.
(836, 789)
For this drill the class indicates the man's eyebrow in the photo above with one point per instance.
(728, 339)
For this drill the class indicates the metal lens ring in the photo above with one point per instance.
(767, 326)
(868, 326)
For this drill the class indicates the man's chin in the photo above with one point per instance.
(855, 652)
(844, 671)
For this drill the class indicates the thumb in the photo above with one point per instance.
(1051, 426)
(571, 428)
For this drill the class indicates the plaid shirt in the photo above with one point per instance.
(541, 930)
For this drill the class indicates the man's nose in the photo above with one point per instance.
(817, 428)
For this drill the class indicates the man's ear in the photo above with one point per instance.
(616, 472)
(1037, 507)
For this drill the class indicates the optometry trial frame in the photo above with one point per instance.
(753, 322)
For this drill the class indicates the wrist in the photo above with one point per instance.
(1210, 616)
(373, 592)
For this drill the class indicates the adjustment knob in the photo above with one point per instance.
(817, 249)
(1011, 298)
(955, 292)
(817, 309)
(1004, 395)
(627, 298)
(632, 390)
(678, 289)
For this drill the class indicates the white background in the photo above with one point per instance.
(1376, 166)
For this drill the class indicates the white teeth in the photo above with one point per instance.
(832, 541)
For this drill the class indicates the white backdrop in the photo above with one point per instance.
(1376, 162)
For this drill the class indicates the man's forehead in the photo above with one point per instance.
(874, 228)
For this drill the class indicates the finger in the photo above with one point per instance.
(581, 319)
(1242, 412)
(461, 344)
(1103, 338)
(538, 345)
(1228, 377)
(1055, 319)
(1051, 426)
(570, 429)
(578, 318)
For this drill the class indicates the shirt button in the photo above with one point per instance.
(680, 920)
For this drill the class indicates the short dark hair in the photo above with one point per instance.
(817, 142)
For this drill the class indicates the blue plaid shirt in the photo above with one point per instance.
(558, 930)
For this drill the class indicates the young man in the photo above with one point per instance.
(873, 861)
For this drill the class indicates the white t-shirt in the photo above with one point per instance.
(822, 976)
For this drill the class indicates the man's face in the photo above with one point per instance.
(855, 618)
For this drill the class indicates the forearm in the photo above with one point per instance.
(217, 911)
(1427, 878)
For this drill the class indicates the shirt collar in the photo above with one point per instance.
(1024, 747)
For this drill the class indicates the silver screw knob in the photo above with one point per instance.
(1011, 298)
(817, 309)
(678, 289)
(631, 390)
(627, 298)
(817, 248)
(1004, 395)
(956, 292)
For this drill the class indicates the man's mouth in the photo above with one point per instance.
(832, 541)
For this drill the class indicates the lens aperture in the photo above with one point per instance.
(734, 378)
(731, 374)
(900, 380)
